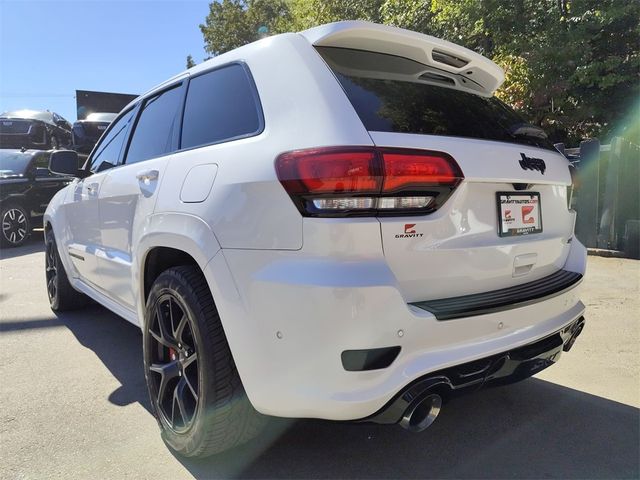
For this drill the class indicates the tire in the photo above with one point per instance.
(195, 390)
(62, 296)
(16, 225)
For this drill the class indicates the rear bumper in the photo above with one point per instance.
(502, 369)
(288, 321)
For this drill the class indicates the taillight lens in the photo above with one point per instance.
(367, 181)
(330, 171)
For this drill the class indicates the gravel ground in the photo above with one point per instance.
(74, 405)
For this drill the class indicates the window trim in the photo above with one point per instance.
(87, 164)
(181, 86)
(256, 100)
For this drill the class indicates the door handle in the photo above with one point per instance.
(147, 176)
(92, 188)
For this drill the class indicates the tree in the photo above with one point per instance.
(190, 62)
(233, 23)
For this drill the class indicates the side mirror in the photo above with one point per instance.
(65, 162)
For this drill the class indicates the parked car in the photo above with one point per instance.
(340, 224)
(87, 132)
(26, 186)
(34, 129)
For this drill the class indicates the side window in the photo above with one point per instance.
(153, 133)
(107, 153)
(41, 164)
(221, 105)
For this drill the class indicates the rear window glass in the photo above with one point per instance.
(154, 130)
(395, 94)
(221, 105)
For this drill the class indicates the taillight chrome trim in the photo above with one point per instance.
(436, 178)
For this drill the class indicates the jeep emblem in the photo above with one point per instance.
(532, 163)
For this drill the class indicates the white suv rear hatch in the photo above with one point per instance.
(507, 223)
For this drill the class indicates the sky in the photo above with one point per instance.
(50, 48)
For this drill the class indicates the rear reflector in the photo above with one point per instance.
(369, 181)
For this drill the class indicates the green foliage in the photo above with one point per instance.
(572, 66)
(516, 89)
(233, 23)
(190, 62)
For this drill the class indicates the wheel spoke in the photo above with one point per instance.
(193, 390)
(190, 359)
(178, 398)
(177, 333)
(51, 287)
(167, 372)
(164, 338)
(161, 340)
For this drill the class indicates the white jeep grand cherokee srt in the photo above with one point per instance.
(341, 223)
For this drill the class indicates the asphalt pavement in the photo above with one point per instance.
(73, 403)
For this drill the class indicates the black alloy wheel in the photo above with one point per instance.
(195, 390)
(51, 270)
(62, 296)
(15, 225)
(173, 363)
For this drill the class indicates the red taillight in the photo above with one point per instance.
(329, 171)
(407, 170)
(340, 181)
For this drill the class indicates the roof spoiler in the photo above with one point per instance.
(425, 49)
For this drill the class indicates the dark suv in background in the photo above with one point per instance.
(26, 187)
(88, 131)
(37, 129)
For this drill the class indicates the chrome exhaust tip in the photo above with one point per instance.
(575, 333)
(420, 415)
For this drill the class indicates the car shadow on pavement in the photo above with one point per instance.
(33, 244)
(533, 429)
(118, 344)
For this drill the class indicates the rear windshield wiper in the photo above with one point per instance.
(527, 130)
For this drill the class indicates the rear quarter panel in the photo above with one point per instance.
(303, 107)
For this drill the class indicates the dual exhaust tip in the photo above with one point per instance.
(421, 414)
(423, 403)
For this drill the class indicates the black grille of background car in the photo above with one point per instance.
(94, 129)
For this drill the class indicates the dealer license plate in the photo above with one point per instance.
(519, 213)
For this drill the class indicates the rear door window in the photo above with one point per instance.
(221, 105)
(107, 153)
(396, 94)
(156, 127)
